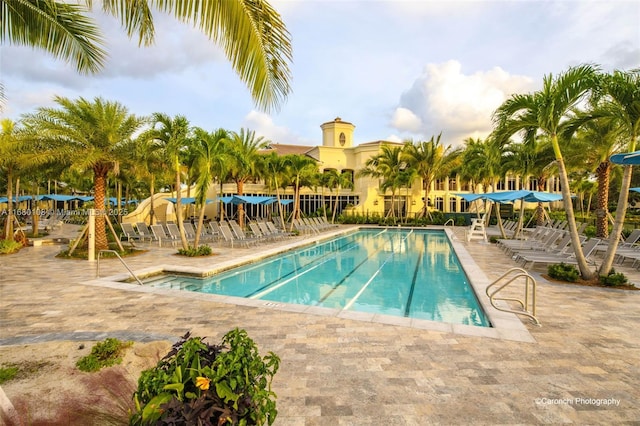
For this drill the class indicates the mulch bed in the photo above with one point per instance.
(590, 283)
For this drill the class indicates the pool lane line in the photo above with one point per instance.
(375, 274)
(413, 283)
(268, 288)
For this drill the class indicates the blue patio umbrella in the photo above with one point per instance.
(627, 158)
(630, 189)
(186, 200)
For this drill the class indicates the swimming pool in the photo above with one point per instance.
(400, 272)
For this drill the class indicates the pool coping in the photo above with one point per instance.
(504, 325)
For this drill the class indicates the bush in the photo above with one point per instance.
(203, 250)
(103, 354)
(9, 247)
(7, 373)
(614, 279)
(563, 272)
(199, 383)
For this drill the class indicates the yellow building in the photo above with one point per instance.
(338, 152)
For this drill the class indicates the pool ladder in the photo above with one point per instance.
(505, 280)
(121, 261)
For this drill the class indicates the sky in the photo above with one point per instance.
(396, 69)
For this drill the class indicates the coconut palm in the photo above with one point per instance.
(241, 149)
(621, 103)
(547, 111)
(431, 160)
(251, 34)
(86, 135)
(210, 163)
(173, 134)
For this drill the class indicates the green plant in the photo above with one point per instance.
(563, 272)
(614, 279)
(8, 373)
(103, 354)
(199, 383)
(203, 250)
(9, 247)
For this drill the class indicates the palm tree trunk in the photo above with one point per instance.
(621, 211)
(196, 242)
(240, 191)
(583, 266)
(100, 181)
(179, 219)
(152, 191)
(8, 225)
(335, 205)
(602, 221)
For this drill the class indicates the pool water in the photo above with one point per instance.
(400, 272)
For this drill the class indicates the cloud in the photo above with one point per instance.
(444, 99)
(264, 126)
(405, 119)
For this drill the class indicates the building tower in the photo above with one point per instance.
(337, 133)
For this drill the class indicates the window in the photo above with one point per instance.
(512, 184)
(439, 203)
(500, 186)
(439, 185)
(343, 139)
(533, 184)
(464, 205)
(452, 185)
(453, 205)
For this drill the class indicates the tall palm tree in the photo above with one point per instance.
(173, 133)
(10, 164)
(301, 171)
(87, 135)
(622, 103)
(250, 32)
(210, 164)
(547, 111)
(387, 166)
(275, 177)
(431, 160)
(242, 151)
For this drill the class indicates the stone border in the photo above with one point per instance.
(504, 325)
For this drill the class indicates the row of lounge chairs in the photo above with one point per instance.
(227, 231)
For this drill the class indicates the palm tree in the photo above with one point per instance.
(88, 135)
(431, 161)
(251, 33)
(387, 166)
(301, 171)
(10, 147)
(547, 111)
(242, 151)
(173, 133)
(621, 103)
(64, 30)
(209, 164)
(275, 177)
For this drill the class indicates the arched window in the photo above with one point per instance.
(439, 203)
(453, 205)
(343, 139)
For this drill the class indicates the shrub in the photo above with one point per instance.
(563, 272)
(203, 250)
(9, 247)
(614, 279)
(199, 383)
(103, 354)
(7, 373)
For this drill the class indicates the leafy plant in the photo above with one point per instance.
(614, 279)
(199, 383)
(103, 354)
(9, 247)
(8, 373)
(203, 250)
(563, 272)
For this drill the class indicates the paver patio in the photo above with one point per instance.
(583, 367)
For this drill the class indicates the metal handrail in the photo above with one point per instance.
(121, 261)
(453, 222)
(516, 273)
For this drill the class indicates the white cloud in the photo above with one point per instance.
(404, 119)
(444, 99)
(264, 126)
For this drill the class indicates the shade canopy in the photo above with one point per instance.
(627, 158)
(634, 189)
(252, 199)
(511, 196)
(186, 200)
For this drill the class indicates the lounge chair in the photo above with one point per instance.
(144, 230)
(161, 236)
(230, 238)
(564, 257)
(129, 233)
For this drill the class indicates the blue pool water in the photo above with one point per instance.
(401, 272)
